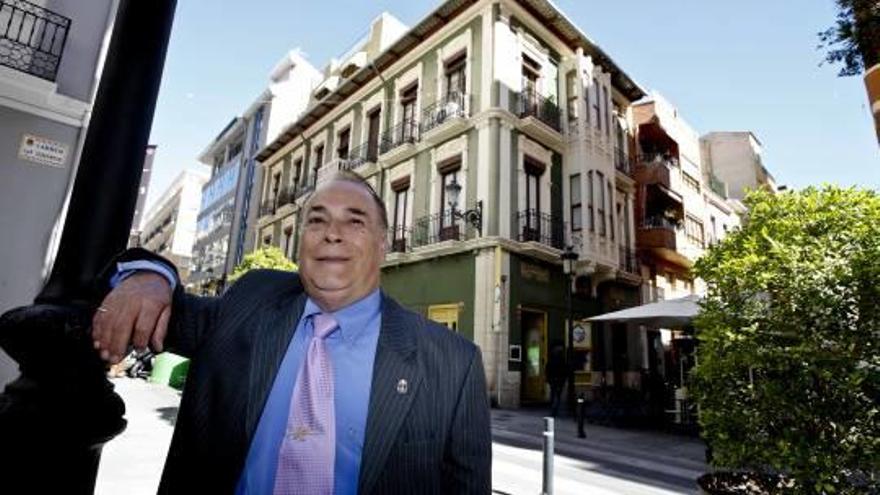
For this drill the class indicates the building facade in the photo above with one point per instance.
(230, 207)
(50, 59)
(682, 208)
(477, 127)
(134, 239)
(169, 227)
(498, 135)
(735, 159)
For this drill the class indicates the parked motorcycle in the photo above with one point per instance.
(142, 365)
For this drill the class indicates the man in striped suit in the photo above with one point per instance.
(314, 382)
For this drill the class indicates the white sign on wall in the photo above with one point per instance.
(43, 151)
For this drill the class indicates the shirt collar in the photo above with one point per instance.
(353, 318)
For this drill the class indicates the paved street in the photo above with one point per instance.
(608, 461)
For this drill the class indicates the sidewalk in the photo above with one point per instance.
(655, 462)
(609, 461)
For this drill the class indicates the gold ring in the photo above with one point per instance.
(102, 309)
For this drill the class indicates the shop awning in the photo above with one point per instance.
(661, 314)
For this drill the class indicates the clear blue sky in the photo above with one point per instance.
(748, 65)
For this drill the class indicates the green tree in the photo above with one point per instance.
(788, 374)
(266, 257)
(854, 40)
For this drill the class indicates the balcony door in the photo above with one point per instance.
(532, 225)
(401, 205)
(373, 128)
(455, 76)
(531, 74)
(408, 113)
(344, 138)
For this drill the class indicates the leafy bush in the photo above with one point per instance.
(788, 373)
(266, 257)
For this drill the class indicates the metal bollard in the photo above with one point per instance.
(548, 456)
(582, 406)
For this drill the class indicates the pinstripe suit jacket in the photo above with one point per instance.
(435, 438)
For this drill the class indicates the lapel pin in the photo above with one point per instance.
(402, 386)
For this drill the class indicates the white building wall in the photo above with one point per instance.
(291, 84)
(33, 197)
(187, 214)
(735, 158)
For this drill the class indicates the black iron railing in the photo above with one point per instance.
(660, 223)
(435, 228)
(399, 239)
(649, 159)
(628, 261)
(622, 162)
(359, 156)
(535, 226)
(32, 38)
(404, 132)
(268, 207)
(302, 190)
(451, 106)
(532, 104)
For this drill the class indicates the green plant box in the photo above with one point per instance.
(170, 369)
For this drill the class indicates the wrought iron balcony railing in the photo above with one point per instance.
(532, 104)
(660, 223)
(451, 106)
(533, 225)
(649, 159)
(359, 156)
(32, 38)
(439, 227)
(268, 207)
(628, 261)
(399, 239)
(404, 132)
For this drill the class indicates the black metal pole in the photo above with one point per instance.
(570, 357)
(105, 192)
(56, 417)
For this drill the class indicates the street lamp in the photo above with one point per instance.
(473, 216)
(569, 257)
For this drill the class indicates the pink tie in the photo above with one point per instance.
(307, 455)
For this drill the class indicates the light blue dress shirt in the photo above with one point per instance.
(353, 350)
(129, 268)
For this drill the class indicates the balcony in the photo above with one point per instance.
(439, 227)
(659, 237)
(539, 118)
(535, 226)
(399, 239)
(531, 104)
(658, 233)
(404, 133)
(32, 38)
(445, 117)
(359, 156)
(655, 168)
(267, 208)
